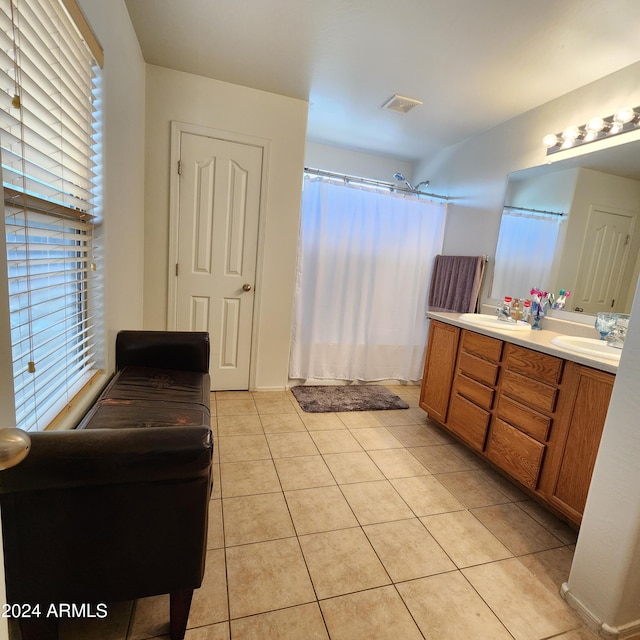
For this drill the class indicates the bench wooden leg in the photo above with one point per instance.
(180, 603)
(39, 629)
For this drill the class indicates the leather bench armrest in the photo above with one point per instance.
(181, 350)
(99, 457)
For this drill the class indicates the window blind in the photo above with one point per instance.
(49, 82)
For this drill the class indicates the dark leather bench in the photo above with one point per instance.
(117, 509)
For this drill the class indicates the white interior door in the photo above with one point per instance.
(602, 271)
(218, 213)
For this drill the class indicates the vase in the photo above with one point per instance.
(537, 312)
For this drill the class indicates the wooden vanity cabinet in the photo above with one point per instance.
(439, 367)
(474, 384)
(537, 417)
(524, 415)
(575, 438)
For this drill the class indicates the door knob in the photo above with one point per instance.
(246, 287)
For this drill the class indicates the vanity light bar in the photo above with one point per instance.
(597, 128)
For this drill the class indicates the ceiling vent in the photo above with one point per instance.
(401, 104)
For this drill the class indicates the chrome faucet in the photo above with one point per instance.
(504, 315)
(615, 338)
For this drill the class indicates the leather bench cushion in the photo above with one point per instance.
(128, 414)
(167, 385)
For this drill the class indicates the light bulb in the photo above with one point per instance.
(596, 124)
(624, 115)
(571, 133)
(550, 140)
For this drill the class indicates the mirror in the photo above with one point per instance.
(592, 249)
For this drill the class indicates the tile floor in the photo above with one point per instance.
(360, 526)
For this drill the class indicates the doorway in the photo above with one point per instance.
(214, 242)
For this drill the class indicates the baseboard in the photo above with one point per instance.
(623, 632)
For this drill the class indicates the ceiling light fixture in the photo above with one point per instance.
(622, 121)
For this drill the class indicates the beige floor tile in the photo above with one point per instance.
(523, 604)
(266, 576)
(246, 478)
(550, 567)
(407, 550)
(376, 501)
(322, 421)
(472, 489)
(209, 604)
(372, 438)
(473, 461)
(518, 531)
(304, 472)
(395, 417)
(233, 395)
(584, 634)
(559, 529)
(248, 424)
(355, 419)
(319, 509)
(295, 623)
(236, 407)
(215, 535)
(256, 519)
(356, 466)
(288, 445)
(377, 614)
(342, 562)
(281, 422)
(446, 607)
(415, 435)
(440, 458)
(335, 441)
(218, 631)
(503, 484)
(243, 448)
(466, 540)
(271, 405)
(272, 395)
(216, 489)
(419, 415)
(398, 463)
(425, 495)
(150, 618)
(113, 627)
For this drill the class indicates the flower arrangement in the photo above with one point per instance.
(540, 301)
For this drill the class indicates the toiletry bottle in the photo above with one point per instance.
(516, 313)
(506, 305)
(526, 310)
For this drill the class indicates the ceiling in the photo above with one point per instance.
(473, 63)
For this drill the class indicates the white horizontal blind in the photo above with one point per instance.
(48, 84)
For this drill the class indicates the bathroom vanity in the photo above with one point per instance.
(533, 410)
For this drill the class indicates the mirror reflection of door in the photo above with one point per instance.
(602, 274)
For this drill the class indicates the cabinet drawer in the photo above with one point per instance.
(469, 421)
(475, 391)
(516, 453)
(535, 424)
(530, 363)
(483, 346)
(478, 368)
(534, 394)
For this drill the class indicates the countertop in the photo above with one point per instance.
(536, 340)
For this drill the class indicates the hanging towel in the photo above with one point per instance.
(455, 283)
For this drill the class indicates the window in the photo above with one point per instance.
(48, 130)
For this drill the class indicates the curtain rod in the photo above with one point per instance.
(367, 181)
(551, 213)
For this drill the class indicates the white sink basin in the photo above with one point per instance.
(492, 322)
(587, 346)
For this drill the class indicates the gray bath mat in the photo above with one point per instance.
(325, 398)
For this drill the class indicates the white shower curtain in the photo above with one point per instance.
(364, 264)
(525, 252)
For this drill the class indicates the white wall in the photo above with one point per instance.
(176, 96)
(355, 163)
(604, 582)
(121, 232)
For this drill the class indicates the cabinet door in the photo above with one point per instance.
(582, 408)
(439, 366)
